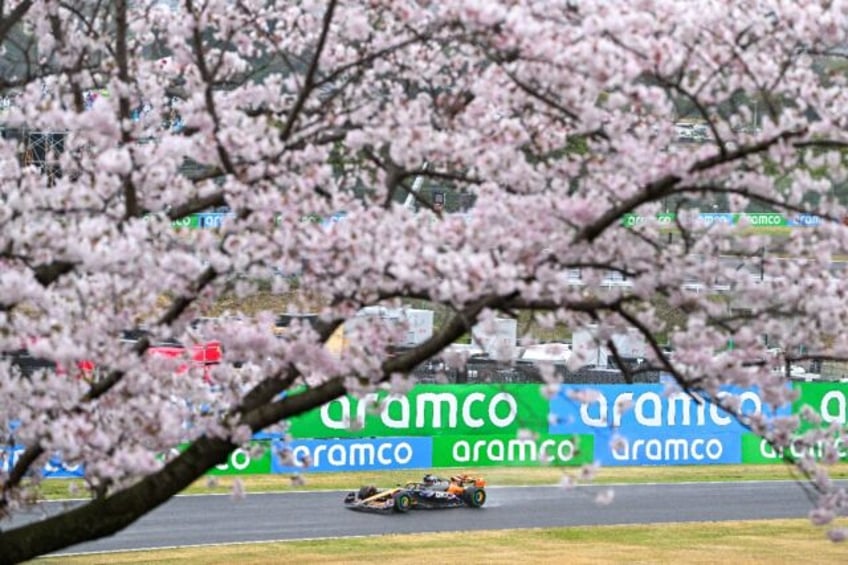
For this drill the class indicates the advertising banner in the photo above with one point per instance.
(631, 220)
(650, 424)
(213, 220)
(755, 219)
(513, 450)
(188, 222)
(717, 218)
(683, 447)
(53, 469)
(762, 219)
(756, 450)
(646, 408)
(255, 460)
(202, 220)
(829, 400)
(805, 220)
(352, 454)
(515, 425)
(429, 410)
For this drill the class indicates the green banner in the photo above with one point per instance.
(631, 220)
(253, 461)
(189, 222)
(828, 399)
(762, 219)
(429, 410)
(513, 450)
(755, 450)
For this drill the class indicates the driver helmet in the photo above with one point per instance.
(367, 492)
(430, 479)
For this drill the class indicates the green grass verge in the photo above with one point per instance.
(748, 542)
(496, 476)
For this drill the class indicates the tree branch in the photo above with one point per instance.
(17, 14)
(308, 83)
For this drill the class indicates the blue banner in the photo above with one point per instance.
(267, 436)
(718, 218)
(647, 409)
(335, 218)
(351, 454)
(804, 220)
(684, 447)
(213, 219)
(53, 469)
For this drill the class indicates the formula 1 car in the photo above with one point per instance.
(429, 494)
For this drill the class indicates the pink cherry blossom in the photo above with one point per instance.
(837, 534)
(557, 133)
(605, 497)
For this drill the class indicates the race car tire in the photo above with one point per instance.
(474, 497)
(403, 501)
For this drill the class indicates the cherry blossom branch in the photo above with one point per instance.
(266, 390)
(268, 414)
(14, 17)
(107, 515)
(48, 273)
(370, 58)
(131, 204)
(658, 352)
(542, 97)
(702, 110)
(664, 185)
(199, 204)
(309, 80)
(118, 510)
(495, 100)
(755, 196)
(442, 175)
(650, 192)
(101, 387)
(688, 387)
(208, 77)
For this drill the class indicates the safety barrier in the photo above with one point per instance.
(214, 220)
(750, 219)
(516, 425)
(484, 425)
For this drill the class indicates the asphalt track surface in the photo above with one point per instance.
(210, 519)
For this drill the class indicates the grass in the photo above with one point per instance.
(54, 489)
(741, 542)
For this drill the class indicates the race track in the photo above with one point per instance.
(208, 519)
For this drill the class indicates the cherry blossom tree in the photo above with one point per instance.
(556, 117)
